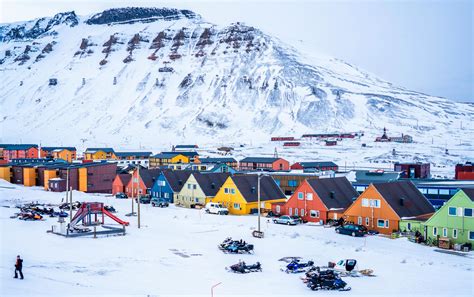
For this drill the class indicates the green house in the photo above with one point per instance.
(454, 220)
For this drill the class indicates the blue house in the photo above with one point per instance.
(169, 183)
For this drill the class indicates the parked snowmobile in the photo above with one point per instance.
(348, 267)
(110, 209)
(241, 267)
(326, 280)
(235, 246)
(295, 266)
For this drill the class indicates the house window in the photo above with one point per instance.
(161, 183)
(302, 212)
(386, 223)
(290, 211)
(278, 208)
(445, 232)
(359, 220)
(314, 213)
(367, 221)
(435, 231)
(236, 205)
(292, 183)
(452, 211)
(296, 211)
(468, 212)
(471, 235)
(375, 203)
(166, 195)
(380, 223)
(409, 226)
(194, 187)
(189, 186)
(277, 181)
(365, 202)
(232, 191)
(309, 196)
(226, 190)
(455, 233)
(300, 195)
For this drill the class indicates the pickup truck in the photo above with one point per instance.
(216, 208)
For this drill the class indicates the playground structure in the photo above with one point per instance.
(91, 214)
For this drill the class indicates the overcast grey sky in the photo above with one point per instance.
(422, 45)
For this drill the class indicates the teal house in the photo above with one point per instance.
(454, 220)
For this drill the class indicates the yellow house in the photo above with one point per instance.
(239, 194)
(29, 176)
(5, 173)
(105, 153)
(64, 153)
(168, 158)
(200, 188)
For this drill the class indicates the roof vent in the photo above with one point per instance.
(253, 190)
(402, 201)
(180, 182)
(332, 194)
(213, 185)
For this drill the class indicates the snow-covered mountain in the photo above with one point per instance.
(158, 76)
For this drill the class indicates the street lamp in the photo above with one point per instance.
(258, 233)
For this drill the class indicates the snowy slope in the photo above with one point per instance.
(152, 261)
(232, 83)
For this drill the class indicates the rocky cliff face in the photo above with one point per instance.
(158, 76)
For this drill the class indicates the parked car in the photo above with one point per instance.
(352, 229)
(159, 202)
(271, 214)
(287, 220)
(144, 199)
(216, 208)
(121, 196)
(298, 219)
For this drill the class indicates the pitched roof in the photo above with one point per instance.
(259, 159)
(317, 164)
(124, 178)
(177, 178)
(18, 146)
(210, 183)
(187, 154)
(133, 154)
(186, 146)
(217, 160)
(247, 185)
(343, 192)
(469, 192)
(53, 148)
(95, 149)
(414, 202)
(149, 176)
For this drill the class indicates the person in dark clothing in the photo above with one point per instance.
(18, 267)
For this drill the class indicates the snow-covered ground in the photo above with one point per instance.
(150, 261)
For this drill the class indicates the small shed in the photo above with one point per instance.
(57, 184)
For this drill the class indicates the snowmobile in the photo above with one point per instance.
(235, 246)
(348, 267)
(110, 209)
(295, 266)
(326, 280)
(241, 267)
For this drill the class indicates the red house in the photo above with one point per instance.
(413, 170)
(120, 182)
(18, 151)
(464, 171)
(319, 166)
(264, 163)
(317, 200)
(141, 184)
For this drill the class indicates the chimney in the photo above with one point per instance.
(402, 201)
(332, 195)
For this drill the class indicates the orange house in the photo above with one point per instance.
(120, 182)
(381, 206)
(141, 184)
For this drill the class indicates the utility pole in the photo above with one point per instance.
(67, 183)
(70, 205)
(258, 199)
(138, 189)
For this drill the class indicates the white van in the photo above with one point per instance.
(216, 208)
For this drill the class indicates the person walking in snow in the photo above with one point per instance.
(18, 266)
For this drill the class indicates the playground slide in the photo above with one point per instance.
(80, 214)
(107, 213)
